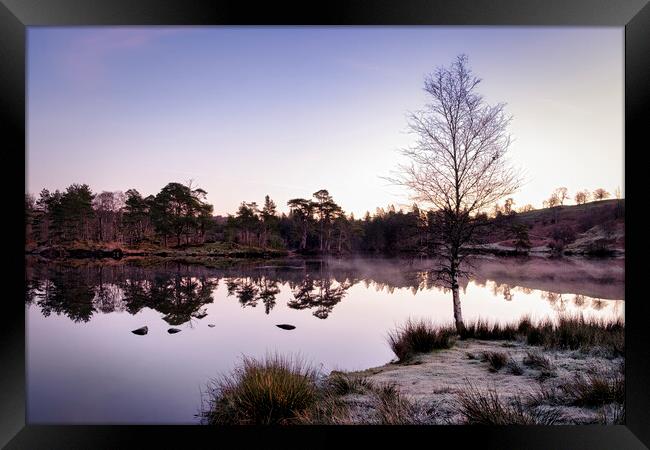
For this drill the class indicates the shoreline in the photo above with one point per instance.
(432, 382)
(207, 251)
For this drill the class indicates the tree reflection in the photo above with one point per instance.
(181, 292)
(67, 294)
(250, 290)
(179, 297)
(321, 293)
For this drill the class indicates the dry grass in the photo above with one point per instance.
(419, 337)
(496, 360)
(612, 415)
(482, 329)
(569, 332)
(487, 408)
(514, 367)
(341, 383)
(328, 410)
(595, 389)
(393, 408)
(538, 361)
(274, 390)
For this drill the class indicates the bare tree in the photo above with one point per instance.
(508, 206)
(600, 194)
(582, 197)
(457, 165)
(108, 206)
(553, 200)
(562, 194)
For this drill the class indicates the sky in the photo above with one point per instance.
(248, 111)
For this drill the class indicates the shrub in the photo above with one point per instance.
(269, 391)
(419, 337)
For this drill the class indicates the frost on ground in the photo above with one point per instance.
(426, 390)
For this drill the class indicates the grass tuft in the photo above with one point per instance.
(419, 337)
(496, 360)
(273, 390)
(569, 332)
(482, 329)
(576, 332)
(393, 408)
(595, 389)
(487, 408)
(538, 361)
(612, 415)
(514, 367)
(341, 383)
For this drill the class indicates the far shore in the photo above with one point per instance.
(84, 250)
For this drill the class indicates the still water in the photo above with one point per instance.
(85, 366)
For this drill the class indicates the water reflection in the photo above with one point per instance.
(78, 293)
(321, 294)
(251, 290)
(81, 352)
(180, 292)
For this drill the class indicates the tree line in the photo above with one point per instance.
(561, 194)
(178, 212)
(179, 215)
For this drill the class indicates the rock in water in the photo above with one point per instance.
(285, 326)
(173, 330)
(211, 325)
(141, 331)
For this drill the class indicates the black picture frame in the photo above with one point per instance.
(16, 15)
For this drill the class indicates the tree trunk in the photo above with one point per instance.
(303, 242)
(321, 236)
(458, 316)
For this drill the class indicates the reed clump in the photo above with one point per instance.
(419, 337)
(273, 390)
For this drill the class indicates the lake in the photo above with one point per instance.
(84, 365)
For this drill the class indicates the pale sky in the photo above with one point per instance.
(286, 111)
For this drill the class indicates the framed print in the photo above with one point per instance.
(368, 219)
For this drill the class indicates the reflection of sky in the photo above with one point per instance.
(100, 372)
(286, 111)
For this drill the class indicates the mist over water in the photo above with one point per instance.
(85, 366)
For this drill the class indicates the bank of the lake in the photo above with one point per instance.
(565, 371)
(434, 384)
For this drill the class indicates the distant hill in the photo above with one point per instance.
(593, 228)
